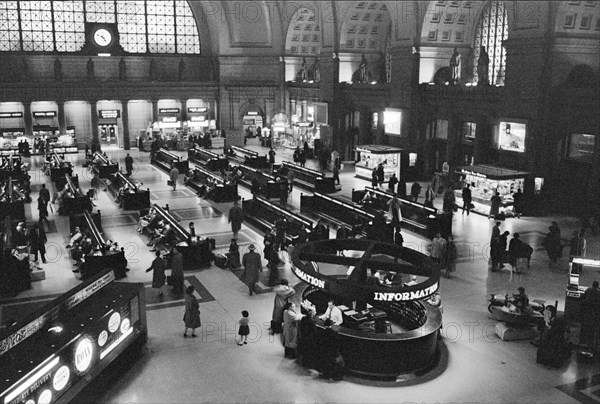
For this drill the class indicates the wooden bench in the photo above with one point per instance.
(311, 180)
(222, 192)
(103, 166)
(133, 198)
(208, 159)
(165, 159)
(79, 203)
(196, 254)
(269, 187)
(14, 205)
(340, 213)
(415, 216)
(58, 169)
(249, 158)
(262, 213)
(101, 258)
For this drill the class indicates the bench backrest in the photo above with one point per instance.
(302, 173)
(181, 233)
(122, 180)
(247, 152)
(202, 173)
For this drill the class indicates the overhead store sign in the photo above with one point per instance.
(11, 115)
(109, 113)
(200, 118)
(169, 110)
(252, 113)
(44, 114)
(194, 110)
(169, 119)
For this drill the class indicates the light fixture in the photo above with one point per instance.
(508, 128)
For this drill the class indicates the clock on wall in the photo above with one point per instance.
(102, 37)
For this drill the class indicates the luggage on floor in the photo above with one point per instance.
(221, 261)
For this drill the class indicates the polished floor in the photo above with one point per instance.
(475, 365)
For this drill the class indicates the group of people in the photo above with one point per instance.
(444, 253)
(518, 254)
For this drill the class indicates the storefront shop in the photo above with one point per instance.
(368, 157)
(305, 124)
(582, 272)
(486, 180)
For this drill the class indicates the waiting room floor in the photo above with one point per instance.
(475, 365)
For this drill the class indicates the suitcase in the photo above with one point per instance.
(38, 275)
(221, 261)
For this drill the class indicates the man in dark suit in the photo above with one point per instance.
(467, 199)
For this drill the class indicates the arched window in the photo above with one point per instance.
(491, 31)
(145, 26)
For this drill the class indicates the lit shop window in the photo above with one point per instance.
(512, 136)
(491, 31)
(154, 26)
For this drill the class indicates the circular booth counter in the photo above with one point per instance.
(388, 330)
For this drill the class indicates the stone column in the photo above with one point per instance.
(154, 110)
(125, 120)
(304, 110)
(94, 112)
(454, 155)
(62, 122)
(183, 110)
(28, 118)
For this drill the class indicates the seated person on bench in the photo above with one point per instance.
(75, 237)
(369, 198)
(120, 193)
(166, 236)
(188, 176)
(150, 221)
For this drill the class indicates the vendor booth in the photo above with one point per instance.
(486, 180)
(53, 353)
(388, 329)
(369, 156)
(582, 272)
(252, 121)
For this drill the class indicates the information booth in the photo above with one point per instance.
(52, 354)
(369, 156)
(389, 329)
(486, 180)
(582, 272)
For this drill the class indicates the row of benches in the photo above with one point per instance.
(103, 166)
(133, 198)
(166, 160)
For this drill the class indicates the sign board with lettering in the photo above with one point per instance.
(169, 119)
(195, 110)
(44, 114)
(169, 110)
(109, 113)
(11, 115)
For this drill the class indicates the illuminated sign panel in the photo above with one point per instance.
(193, 110)
(44, 114)
(109, 113)
(169, 110)
(511, 136)
(11, 115)
(200, 118)
(169, 119)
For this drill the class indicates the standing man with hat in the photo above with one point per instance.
(252, 266)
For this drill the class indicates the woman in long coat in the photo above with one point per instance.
(158, 275)
(236, 217)
(252, 266)
(283, 294)
(291, 317)
(191, 318)
(177, 271)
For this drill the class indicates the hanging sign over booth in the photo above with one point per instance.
(11, 115)
(169, 110)
(44, 114)
(109, 113)
(194, 110)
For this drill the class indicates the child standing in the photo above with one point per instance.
(244, 329)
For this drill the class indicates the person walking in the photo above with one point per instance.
(37, 238)
(392, 183)
(43, 211)
(518, 253)
(552, 244)
(451, 256)
(467, 199)
(233, 256)
(290, 180)
(191, 317)
(336, 174)
(177, 271)
(283, 295)
(236, 217)
(438, 250)
(302, 158)
(495, 208)
(128, 164)
(519, 201)
(45, 193)
(252, 266)
(174, 175)
(244, 329)
(380, 174)
(374, 178)
(395, 210)
(415, 191)
(429, 197)
(158, 267)
(590, 310)
(578, 245)
(271, 157)
(497, 251)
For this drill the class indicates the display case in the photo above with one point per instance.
(368, 157)
(582, 271)
(485, 181)
(511, 136)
